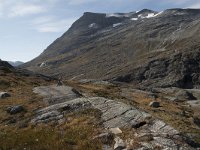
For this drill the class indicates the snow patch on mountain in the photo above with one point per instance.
(116, 24)
(150, 15)
(119, 15)
(93, 25)
(115, 15)
(158, 14)
(134, 19)
(44, 64)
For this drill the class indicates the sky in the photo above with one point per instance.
(27, 27)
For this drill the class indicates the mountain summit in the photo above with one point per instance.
(149, 48)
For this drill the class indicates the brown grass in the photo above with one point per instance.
(77, 133)
(170, 112)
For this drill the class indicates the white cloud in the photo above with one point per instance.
(25, 9)
(51, 24)
(196, 5)
(41, 20)
(184, 3)
(19, 8)
(179, 2)
(79, 2)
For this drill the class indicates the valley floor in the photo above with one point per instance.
(96, 115)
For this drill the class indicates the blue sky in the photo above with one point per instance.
(28, 26)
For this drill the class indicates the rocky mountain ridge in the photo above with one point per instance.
(148, 48)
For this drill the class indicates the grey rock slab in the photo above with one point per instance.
(116, 122)
(161, 128)
(46, 116)
(4, 95)
(73, 105)
(56, 112)
(170, 144)
(184, 95)
(114, 114)
(57, 100)
(56, 94)
(117, 114)
(194, 103)
(164, 142)
(195, 92)
(147, 146)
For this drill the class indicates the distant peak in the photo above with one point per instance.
(146, 11)
(91, 14)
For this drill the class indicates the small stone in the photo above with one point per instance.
(4, 95)
(115, 131)
(119, 144)
(15, 109)
(154, 104)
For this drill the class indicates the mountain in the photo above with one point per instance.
(7, 70)
(147, 48)
(15, 63)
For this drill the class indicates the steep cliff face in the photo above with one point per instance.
(179, 70)
(145, 47)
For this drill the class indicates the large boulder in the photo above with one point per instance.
(4, 95)
(15, 109)
(154, 104)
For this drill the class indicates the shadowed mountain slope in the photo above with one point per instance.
(146, 47)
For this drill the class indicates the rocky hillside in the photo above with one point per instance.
(92, 114)
(9, 76)
(154, 49)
